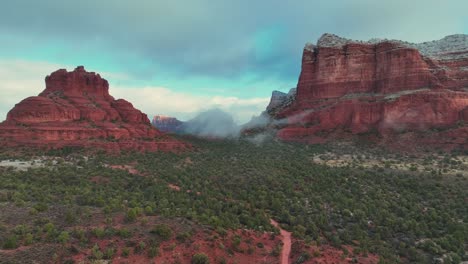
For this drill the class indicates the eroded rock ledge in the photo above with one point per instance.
(399, 92)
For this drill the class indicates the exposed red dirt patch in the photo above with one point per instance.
(99, 180)
(129, 168)
(286, 239)
(173, 187)
(326, 254)
(232, 246)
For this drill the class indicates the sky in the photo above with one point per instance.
(178, 58)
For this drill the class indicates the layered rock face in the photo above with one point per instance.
(76, 109)
(167, 123)
(383, 87)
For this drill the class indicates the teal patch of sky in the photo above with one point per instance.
(247, 85)
(95, 55)
(268, 42)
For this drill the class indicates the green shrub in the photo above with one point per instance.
(182, 237)
(109, 253)
(99, 232)
(140, 247)
(40, 207)
(153, 251)
(124, 233)
(96, 252)
(200, 258)
(28, 239)
(132, 214)
(63, 237)
(125, 252)
(163, 231)
(11, 242)
(148, 210)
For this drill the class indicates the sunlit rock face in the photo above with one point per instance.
(76, 109)
(398, 91)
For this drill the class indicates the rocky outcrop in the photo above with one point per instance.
(76, 109)
(167, 123)
(280, 100)
(386, 88)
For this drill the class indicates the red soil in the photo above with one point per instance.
(128, 168)
(215, 245)
(327, 254)
(173, 187)
(286, 239)
(134, 171)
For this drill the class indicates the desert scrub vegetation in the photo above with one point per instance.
(410, 215)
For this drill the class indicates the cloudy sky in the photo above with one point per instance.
(180, 57)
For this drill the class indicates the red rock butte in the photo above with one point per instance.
(398, 91)
(76, 109)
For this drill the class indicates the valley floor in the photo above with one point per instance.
(215, 204)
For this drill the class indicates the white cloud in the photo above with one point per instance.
(21, 79)
(161, 100)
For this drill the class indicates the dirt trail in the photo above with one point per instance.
(286, 238)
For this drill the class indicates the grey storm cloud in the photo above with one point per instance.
(226, 38)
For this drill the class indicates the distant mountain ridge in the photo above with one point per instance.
(167, 123)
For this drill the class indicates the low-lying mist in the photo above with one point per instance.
(212, 123)
(216, 123)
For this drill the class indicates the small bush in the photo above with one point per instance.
(124, 233)
(109, 253)
(125, 252)
(182, 237)
(40, 207)
(132, 214)
(163, 231)
(29, 239)
(99, 232)
(200, 258)
(11, 242)
(141, 247)
(96, 252)
(148, 210)
(153, 251)
(305, 256)
(63, 237)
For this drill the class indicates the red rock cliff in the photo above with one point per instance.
(382, 87)
(76, 109)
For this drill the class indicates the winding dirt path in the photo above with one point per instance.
(286, 238)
